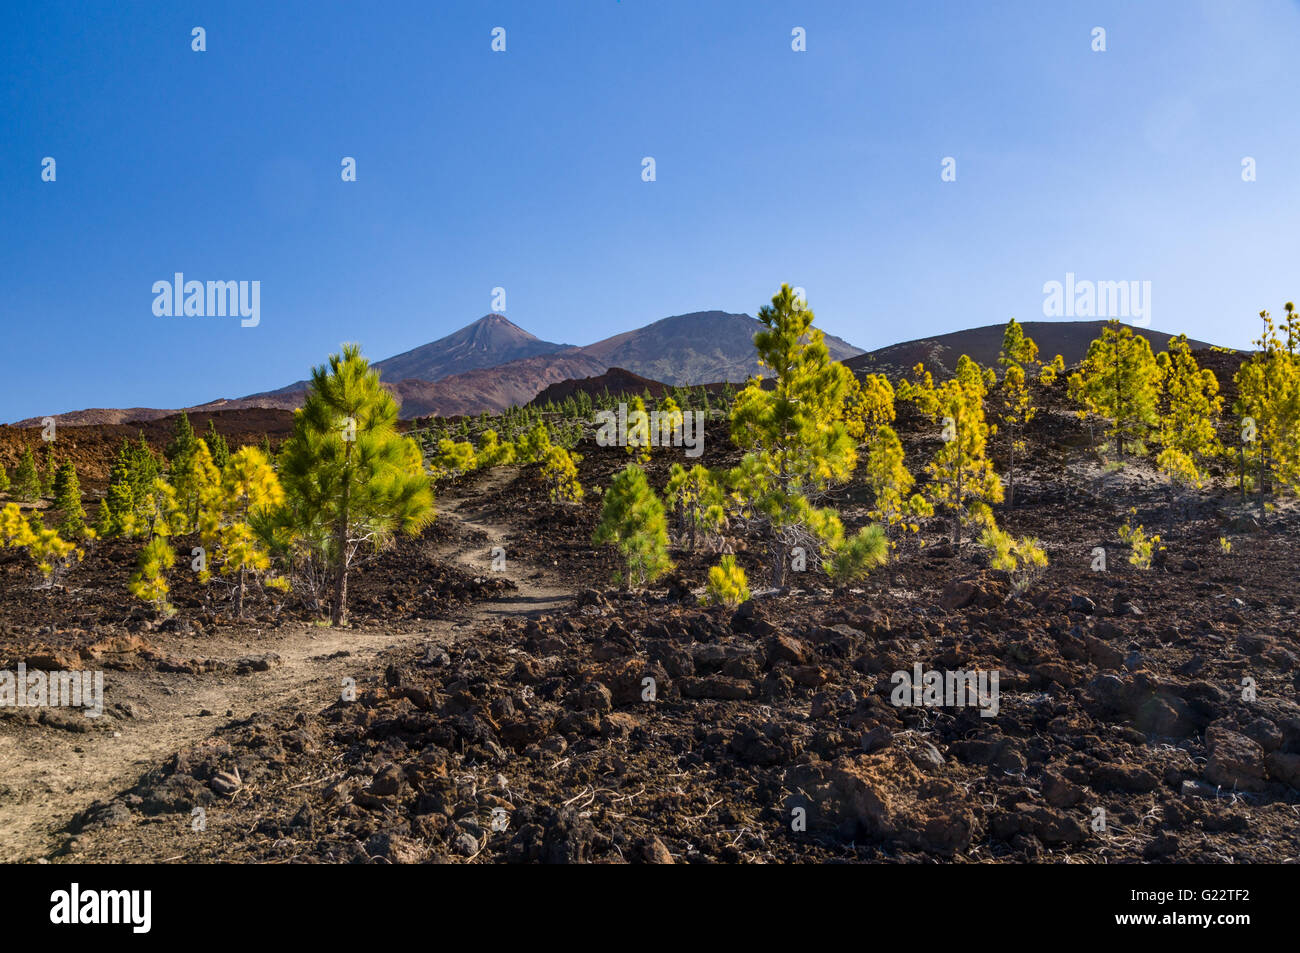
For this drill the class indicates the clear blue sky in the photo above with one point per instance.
(523, 170)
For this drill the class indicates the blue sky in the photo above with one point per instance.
(522, 170)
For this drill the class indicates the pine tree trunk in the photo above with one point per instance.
(778, 564)
(956, 513)
(1011, 471)
(1263, 463)
(239, 595)
(339, 611)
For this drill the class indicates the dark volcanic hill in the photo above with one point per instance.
(939, 354)
(616, 381)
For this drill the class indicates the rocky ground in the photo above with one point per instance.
(542, 714)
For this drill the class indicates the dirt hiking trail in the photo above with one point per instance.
(48, 775)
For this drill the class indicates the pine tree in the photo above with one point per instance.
(890, 484)
(52, 555)
(162, 513)
(182, 444)
(4, 480)
(453, 458)
(492, 452)
(698, 501)
(117, 509)
(67, 500)
(50, 473)
(560, 474)
(962, 480)
(1268, 387)
(796, 441)
(1119, 381)
(1048, 373)
(27, 482)
(217, 445)
(533, 445)
(1018, 356)
(1190, 406)
(196, 479)
(638, 430)
(1018, 349)
(632, 519)
(868, 405)
(347, 466)
(1016, 410)
(149, 582)
(249, 486)
(670, 421)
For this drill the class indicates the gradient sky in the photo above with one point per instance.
(523, 170)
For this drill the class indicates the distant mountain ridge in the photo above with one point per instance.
(493, 364)
(940, 353)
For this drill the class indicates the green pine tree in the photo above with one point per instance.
(67, 500)
(182, 444)
(632, 519)
(217, 446)
(1119, 381)
(347, 467)
(50, 472)
(27, 482)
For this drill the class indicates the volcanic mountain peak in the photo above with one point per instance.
(491, 340)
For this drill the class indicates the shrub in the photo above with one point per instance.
(727, 584)
(1142, 548)
(560, 473)
(149, 583)
(1023, 559)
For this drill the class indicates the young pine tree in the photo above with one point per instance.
(50, 473)
(632, 519)
(492, 452)
(638, 430)
(4, 479)
(217, 446)
(560, 474)
(249, 488)
(698, 502)
(1015, 405)
(962, 480)
(347, 466)
(890, 484)
(794, 435)
(670, 420)
(1268, 387)
(196, 479)
(149, 581)
(182, 445)
(1189, 408)
(533, 445)
(452, 458)
(727, 584)
(67, 500)
(868, 405)
(27, 482)
(1119, 381)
